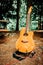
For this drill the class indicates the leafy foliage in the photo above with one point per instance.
(8, 11)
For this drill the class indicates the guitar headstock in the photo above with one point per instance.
(30, 10)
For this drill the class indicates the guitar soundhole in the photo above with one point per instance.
(25, 34)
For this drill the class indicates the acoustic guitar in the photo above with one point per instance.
(25, 43)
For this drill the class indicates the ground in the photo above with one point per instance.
(7, 48)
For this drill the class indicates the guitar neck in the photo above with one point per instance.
(27, 23)
(28, 19)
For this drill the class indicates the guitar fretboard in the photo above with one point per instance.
(28, 19)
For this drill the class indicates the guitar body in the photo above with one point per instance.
(25, 43)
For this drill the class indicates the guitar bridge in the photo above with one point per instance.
(24, 41)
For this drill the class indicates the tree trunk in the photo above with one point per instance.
(18, 8)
